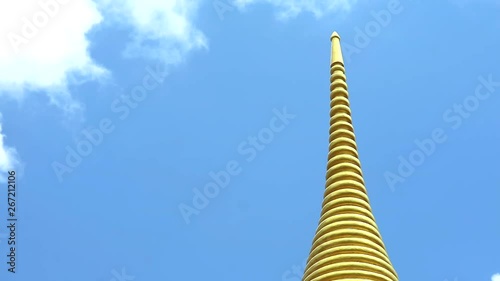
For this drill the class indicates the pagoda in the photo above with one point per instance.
(347, 245)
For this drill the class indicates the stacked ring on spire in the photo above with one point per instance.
(347, 245)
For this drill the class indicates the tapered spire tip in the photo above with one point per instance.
(334, 35)
(336, 55)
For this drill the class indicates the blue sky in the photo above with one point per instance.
(187, 140)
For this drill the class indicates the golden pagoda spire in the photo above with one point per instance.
(347, 245)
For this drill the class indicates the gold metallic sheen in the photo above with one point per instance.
(336, 51)
(347, 245)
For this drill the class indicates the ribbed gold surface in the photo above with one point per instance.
(347, 245)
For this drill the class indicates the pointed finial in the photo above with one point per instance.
(334, 35)
(336, 50)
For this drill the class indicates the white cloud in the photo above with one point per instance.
(162, 29)
(45, 48)
(291, 8)
(9, 159)
(495, 277)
